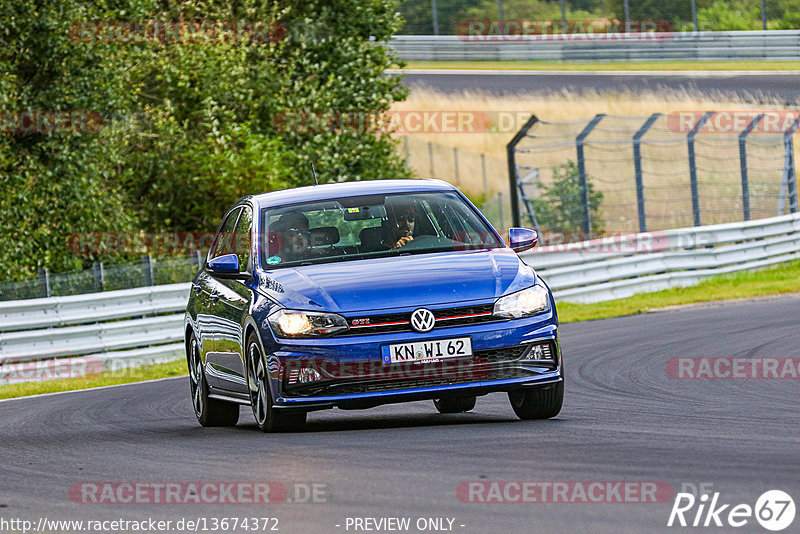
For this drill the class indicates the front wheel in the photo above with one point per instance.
(454, 404)
(539, 403)
(267, 417)
(209, 412)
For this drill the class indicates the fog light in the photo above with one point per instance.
(307, 375)
(540, 352)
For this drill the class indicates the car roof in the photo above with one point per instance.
(347, 189)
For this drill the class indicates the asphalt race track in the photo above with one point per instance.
(754, 88)
(624, 420)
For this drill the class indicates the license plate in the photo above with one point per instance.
(423, 351)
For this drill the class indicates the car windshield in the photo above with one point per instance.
(354, 228)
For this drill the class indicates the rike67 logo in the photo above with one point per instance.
(774, 510)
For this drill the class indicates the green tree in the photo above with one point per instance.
(188, 126)
(418, 15)
(537, 10)
(334, 60)
(209, 129)
(725, 15)
(55, 184)
(559, 206)
(783, 14)
(674, 12)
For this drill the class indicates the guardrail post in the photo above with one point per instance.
(455, 164)
(483, 171)
(511, 149)
(579, 142)
(430, 158)
(199, 257)
(743, 166)
(637, 164)
(44, 282)
(147, 269)
(693, 166)
(500, 211)
(789, 172)
(99, 275)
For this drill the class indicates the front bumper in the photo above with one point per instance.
(353, 375)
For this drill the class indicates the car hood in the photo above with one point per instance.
(399, 281)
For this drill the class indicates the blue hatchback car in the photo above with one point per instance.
(359, 294)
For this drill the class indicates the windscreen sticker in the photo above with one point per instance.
(273, 260)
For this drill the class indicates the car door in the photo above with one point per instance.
(235, 297)
(213, 323)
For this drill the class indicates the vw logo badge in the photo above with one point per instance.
(422, 320)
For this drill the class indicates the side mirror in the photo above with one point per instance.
(226, 266)
(522, 239)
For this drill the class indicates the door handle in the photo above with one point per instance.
(214, 297)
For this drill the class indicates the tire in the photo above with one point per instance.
(267, 417)
(538, 403)
(454, 404)
(209, 412)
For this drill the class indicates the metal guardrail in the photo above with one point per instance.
(62, 337)
(611, 268)
(741, 45)
(70, 336)
(92, 307)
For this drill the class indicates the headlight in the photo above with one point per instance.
(289, 323)
(522, 303)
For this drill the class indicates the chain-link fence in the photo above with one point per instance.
(631, 173)
(102, 277)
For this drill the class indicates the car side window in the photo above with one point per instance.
(243, 244)
(225, 241)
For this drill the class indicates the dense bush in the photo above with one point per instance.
(188, 127)
(559, 205)
(711, 14)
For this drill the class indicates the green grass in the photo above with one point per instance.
(780, 279)
(108, 378)
(612, 65)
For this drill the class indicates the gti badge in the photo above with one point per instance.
(422, 320)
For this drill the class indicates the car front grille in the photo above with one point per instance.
(491, 364)
(401, 322)
(398, 384)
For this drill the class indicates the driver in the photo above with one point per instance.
(399, 229)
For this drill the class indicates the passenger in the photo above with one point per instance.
(296, 237)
